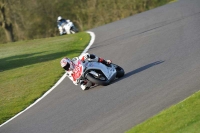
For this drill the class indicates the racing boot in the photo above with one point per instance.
(85, 85)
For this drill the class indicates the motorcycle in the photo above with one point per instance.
(69, 26)
(96, 72)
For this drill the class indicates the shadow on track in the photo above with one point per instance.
(138, 70)
(133, 72)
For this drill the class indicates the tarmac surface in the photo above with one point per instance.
(160, 53)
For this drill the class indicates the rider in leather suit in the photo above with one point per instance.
(68, 65)
(60, 22)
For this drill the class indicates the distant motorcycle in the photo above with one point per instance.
(96, 73)
(69, 26)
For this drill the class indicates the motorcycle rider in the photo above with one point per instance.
(68, 65)
(60, 23)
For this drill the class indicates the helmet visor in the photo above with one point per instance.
(66, 67)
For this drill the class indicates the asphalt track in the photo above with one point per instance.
(160, 52)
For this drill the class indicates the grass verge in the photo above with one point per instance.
(29, 68)
(181, 118)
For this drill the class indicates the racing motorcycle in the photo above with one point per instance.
(96, 72)
(69, 26)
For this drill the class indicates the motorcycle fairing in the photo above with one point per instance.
(107, 71)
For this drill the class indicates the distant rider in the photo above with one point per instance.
(61, 23)
(68, 65)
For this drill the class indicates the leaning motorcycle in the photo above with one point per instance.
(69, 26)
(96, 72)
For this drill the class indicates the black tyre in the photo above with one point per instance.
(120, 71)
(100, 81)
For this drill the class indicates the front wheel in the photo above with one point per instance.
(102, 80)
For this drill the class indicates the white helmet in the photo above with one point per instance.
(59, 18)
(67, 64)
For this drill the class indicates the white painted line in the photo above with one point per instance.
(59, 81)
(90, 43)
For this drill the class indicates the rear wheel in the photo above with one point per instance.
(120, 71)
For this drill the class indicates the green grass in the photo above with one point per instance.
(29, 68)
(181, 118)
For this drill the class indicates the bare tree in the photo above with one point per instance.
(4, 22)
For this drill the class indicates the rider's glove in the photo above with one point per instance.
(85, 56)
(108, 61)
